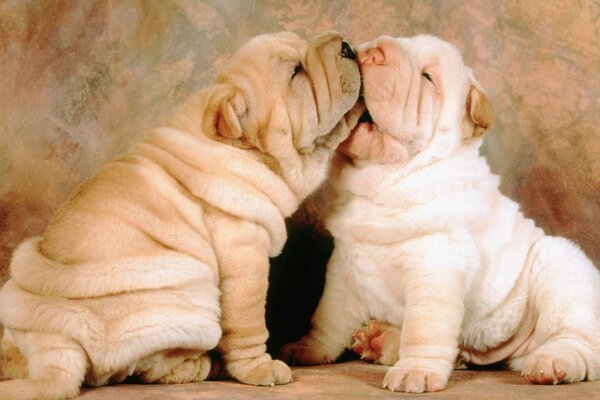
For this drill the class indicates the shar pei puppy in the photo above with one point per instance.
(427, 246)
(163, 255)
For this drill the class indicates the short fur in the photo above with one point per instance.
(163, 255)
(425, 241)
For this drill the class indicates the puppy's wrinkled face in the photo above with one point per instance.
(415, 89)
(285, 98)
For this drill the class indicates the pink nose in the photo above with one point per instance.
(371, 56)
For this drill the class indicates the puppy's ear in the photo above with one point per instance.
(222, 116)
(479, 111)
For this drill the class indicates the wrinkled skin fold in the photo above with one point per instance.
(159, 262)
(428, 251)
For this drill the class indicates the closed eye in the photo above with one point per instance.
(427, 76)
(297, 70)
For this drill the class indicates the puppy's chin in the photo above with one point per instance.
(358, 143)
(366, 115)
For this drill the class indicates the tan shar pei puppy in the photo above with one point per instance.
(427, 246)
(163, 255)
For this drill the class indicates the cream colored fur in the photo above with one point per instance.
(425, 241)
(163, 255)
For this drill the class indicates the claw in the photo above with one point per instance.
(360, 335)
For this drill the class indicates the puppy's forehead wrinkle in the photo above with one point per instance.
(265, 125)
(294, 44)
(287, 39)
(312, 64)
(287, 56)
(411, 103)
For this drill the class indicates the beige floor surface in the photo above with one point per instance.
(352, 380)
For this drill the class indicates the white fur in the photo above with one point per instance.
(430, 245)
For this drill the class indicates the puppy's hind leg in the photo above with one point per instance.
(177, 366)
(565, 292)
(12, 362)
(56, 368)
(339, 313)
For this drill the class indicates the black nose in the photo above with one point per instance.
(347, 51)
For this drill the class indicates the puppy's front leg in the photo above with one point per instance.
(340, 312)
(242, 252)
(435, 274)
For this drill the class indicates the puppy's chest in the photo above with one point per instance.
(379, 282)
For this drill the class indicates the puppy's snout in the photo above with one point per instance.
(374, 55)
(347, 51)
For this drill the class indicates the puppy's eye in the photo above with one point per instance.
(427, 76)
(297, 70)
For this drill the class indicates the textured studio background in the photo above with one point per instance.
(80, 80)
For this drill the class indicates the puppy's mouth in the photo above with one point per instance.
(364, 128)
(364, 122)
(366, 117)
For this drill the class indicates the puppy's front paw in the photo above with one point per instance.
(377, 342)
(417, 375)
(304, 352)
(271, 373)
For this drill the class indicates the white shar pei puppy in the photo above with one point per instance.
(426, 243)
(164, 253)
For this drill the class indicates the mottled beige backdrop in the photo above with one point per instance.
(80, 80)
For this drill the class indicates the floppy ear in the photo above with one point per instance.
(480, 112)
(222, 117)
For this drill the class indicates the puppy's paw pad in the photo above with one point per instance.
(272, 373)
(368, 341)
(377, 342)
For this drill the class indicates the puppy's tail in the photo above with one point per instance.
(47, 388)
